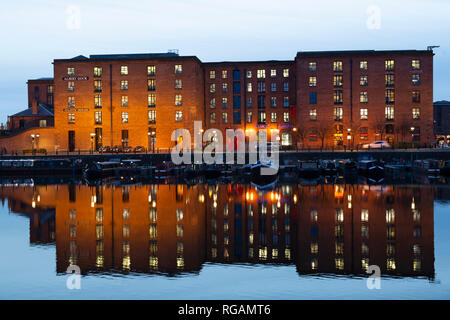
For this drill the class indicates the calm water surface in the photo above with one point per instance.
(224, 241)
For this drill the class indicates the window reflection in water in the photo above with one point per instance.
(180, 228)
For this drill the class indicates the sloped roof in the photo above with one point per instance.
(42, 112)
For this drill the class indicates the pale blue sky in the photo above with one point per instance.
(34, 32)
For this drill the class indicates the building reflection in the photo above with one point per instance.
(174, 229)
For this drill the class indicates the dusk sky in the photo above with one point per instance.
(34, 32)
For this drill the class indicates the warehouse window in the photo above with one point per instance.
(71, 117)
(416, 79)
(389, 65)
(151, 71)
(98, 117)
(178, 84)
(337, 81)
(313, 114)
(416, 113)
(124, 117)
(286, 73)
(178, 68)
(70, 71)
(124, 85)
(363, 97)
(261, 74)
(224, 87)
(415, 64)
(71, 102)
(389, 113)
(124, 101)
(364, 80)
(178, 100)
(178, 116)
(152, 116)
(285, 116)
(124, 70)
(151, 84)
(97, 101)
(337, 66)
(151, 100)
(312, 66)
(364, 114)
(313, 97)
(273, 117)
(338, 114)
(212, 74)
(224, 74)
(363, 65)
(312, 81)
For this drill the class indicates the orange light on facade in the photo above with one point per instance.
(295, 199)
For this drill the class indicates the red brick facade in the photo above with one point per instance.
(329, 99)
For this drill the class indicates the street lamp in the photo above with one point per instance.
(92, 142)
(32, 143)
(349, 137)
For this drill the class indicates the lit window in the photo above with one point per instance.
(416, 79)
(338, 114)
(151, 71)
(312, 66)
(224, 74)
(364, 215)
(71, 102)
(273, 117)
(42, 123)
(338, 97)
(178, 84)
(152, 116)
(337, 66)
(178, 116)
(389, 113)
(285, 73)
(151, 84)
(390, 80)
(98, 117)
(415, 64)
(364, 114)
(363, 97)
(286, 140)
(178, 68)
(124, 117)
(224, 103)
(416, 113)
(261, 74)
(212, 74)
(312, 81)
(98, 85)
(363, 65)
(338, 81)
(249, 74)
(273, 73)
(97, 101)
(212, 117)
(124, 101)
(178, 100)
(390, 96)
(124, 85)
(224, 117)
(152, 100)
(285, 116)
(124, 70)
(363, 80)
(212, 88)
(389, 65)
(313, 114)
(224, 87)
(212, 103)
(71, 86)
(249, 117)
(390, 216)
(261, 117)
(249, 87)
(70, 71)
(71, 118)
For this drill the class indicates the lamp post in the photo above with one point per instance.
(412, 136)
(32, 143)
(92, 142)
(149, 139)
(349, 138)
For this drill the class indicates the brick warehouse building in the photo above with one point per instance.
(330, 99)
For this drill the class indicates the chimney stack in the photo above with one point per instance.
(34, 106)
